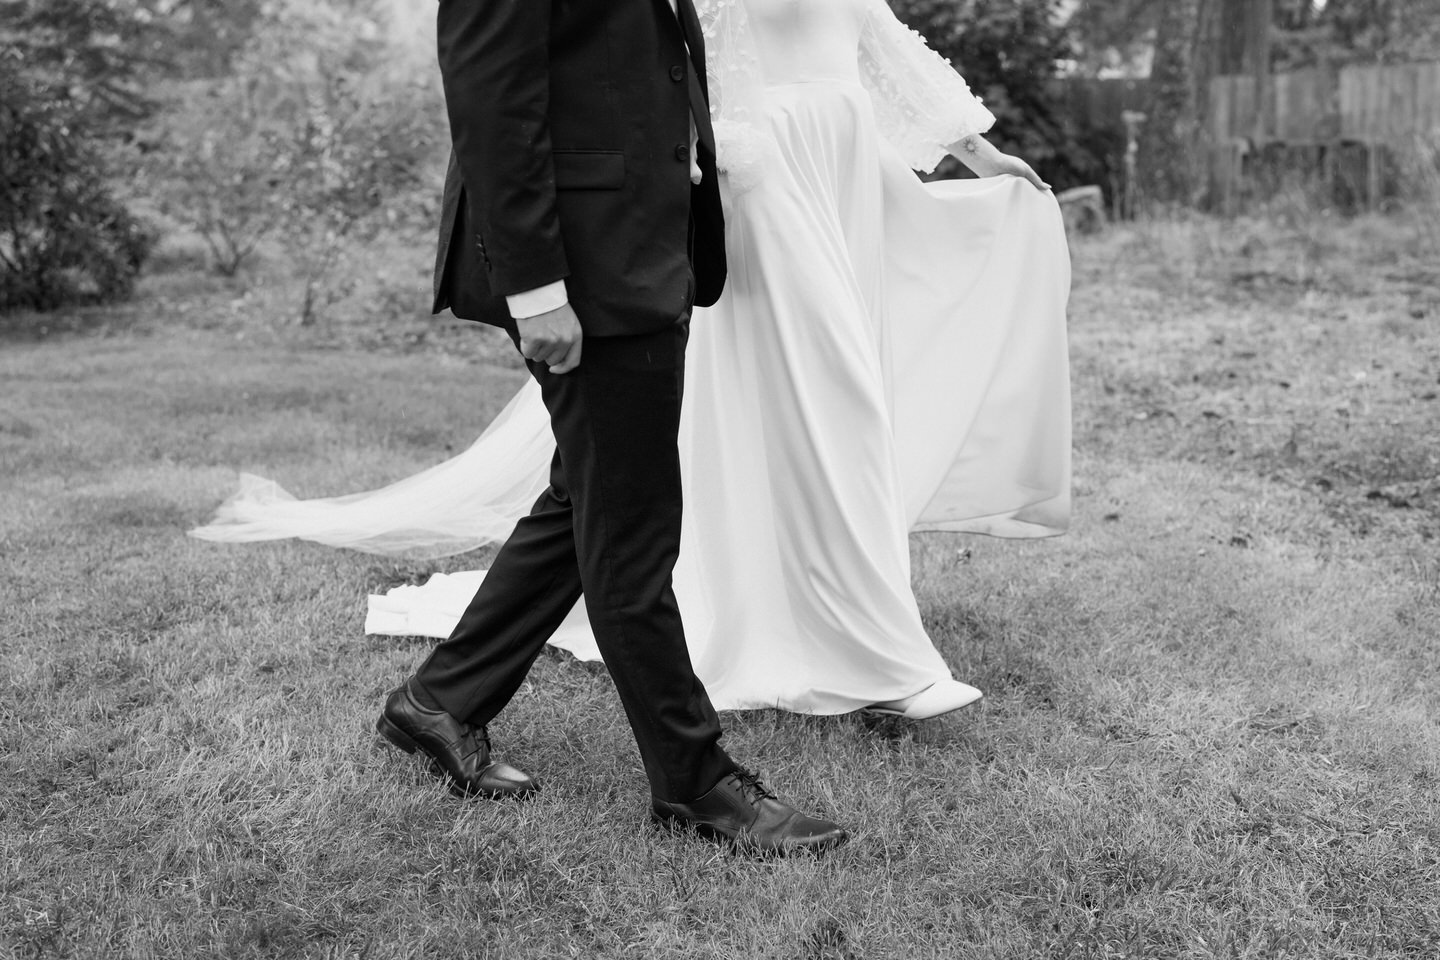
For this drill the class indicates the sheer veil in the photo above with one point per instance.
(472, 499)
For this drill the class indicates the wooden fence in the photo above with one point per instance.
(1369, 108)
(1390, 104)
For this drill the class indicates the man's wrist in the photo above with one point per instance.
(532, 303)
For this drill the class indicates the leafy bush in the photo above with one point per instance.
(206, 35)
(227, 180)
(71, 74)
(92, 55)
(63, 236)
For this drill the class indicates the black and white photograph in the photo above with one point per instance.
(777, 479)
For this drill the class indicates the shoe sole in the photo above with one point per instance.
(885, 712)
(395, 735)
(741, 843)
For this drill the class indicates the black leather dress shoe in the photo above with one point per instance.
(741, 810)
(459, 752)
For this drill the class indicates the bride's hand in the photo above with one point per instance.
(1015, 167)
(986, 160)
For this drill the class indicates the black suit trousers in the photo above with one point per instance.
(607, 527)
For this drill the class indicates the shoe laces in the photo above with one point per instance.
(479, 739)
(752, 787)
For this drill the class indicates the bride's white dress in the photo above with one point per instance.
(888, 356)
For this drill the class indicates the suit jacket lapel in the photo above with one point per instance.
(694, 36)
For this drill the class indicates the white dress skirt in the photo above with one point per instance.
(888, 356)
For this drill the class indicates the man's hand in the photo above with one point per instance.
(552, 338)
(981, 156)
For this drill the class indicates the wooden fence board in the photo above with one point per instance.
(1232, 107)
(1370, 104)
(1429, 115)
(1304, 110)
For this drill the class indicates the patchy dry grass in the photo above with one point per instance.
(1210, 722)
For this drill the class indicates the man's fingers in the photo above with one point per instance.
(561, 356)
(552, 339)
(570, 360)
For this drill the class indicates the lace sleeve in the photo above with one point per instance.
(732, 73)
(921, 104)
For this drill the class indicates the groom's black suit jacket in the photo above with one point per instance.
(570, 121)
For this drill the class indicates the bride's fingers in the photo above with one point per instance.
(1034, 178)
(1019, 168)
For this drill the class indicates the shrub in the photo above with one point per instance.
(92, 55)
(1419, 162)
(63, 236)
(227, 180)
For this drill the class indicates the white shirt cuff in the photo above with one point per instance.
(532, 303)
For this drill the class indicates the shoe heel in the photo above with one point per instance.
(395, 735)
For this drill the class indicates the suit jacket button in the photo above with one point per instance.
(682, 152)
(677, 73)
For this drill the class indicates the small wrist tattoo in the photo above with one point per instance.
(969, 145)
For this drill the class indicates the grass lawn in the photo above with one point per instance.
(1210, 722)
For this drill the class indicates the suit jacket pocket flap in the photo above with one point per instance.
(589, 169)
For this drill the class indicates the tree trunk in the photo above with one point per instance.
(1230, 40)
(1167, 163)
(1259, 16)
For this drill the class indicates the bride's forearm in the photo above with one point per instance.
(988, 160)
(977, 153)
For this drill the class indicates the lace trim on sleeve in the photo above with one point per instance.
(732, 72)
(921, 104)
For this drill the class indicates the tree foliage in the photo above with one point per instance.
(71, 79)
(1113, 35)
(318, 135)
(63, 237)
(94, 56)
(206, 35)
(1355, 31)
(1167, 162)
(1110, 33)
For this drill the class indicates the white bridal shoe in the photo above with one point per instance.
(938, 698)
